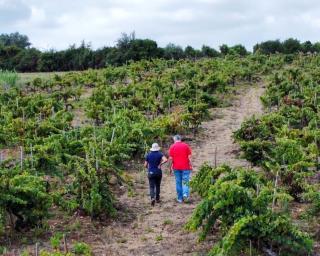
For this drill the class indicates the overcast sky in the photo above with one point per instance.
(59, 23)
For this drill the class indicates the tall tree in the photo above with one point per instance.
(269, 47)
(224, 49)
(15, 39)
(291, 46)
(209, 52)
(172, 51)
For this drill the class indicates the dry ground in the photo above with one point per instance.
(146, 230)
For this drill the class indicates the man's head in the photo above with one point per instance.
(176, 138)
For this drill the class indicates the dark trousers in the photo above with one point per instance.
(154, 184)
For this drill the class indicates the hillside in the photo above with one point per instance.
(72, 147)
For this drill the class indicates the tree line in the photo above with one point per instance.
(17, 53)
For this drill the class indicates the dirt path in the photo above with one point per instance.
(144, 230)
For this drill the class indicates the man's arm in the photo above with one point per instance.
(171, 160)
(190, 162)
(190, 156)
(145, 164)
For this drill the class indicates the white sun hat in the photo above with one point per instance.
(155, 147)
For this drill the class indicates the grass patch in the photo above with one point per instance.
(168, 222)
(159, 238)
(8, 78)
(149, 230)
(29, 77)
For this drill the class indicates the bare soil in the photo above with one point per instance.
(159, 230)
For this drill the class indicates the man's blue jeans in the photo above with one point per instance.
(182, 183)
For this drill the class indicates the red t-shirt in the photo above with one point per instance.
(180, 153)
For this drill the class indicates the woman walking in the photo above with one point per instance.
(154, 160)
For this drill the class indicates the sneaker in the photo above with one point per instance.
(179, 201)
(186, 199)
(153, 201)
(158, 201)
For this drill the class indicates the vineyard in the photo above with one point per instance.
(273, 211)
(71, 146)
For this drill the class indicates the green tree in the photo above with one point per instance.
(209, 52)
(190, 52)
(172, 51)
(269, 47)
(238, 49)
(224, 49)
(307, 47)
(28, 60)
(291, 46)
(15, 39)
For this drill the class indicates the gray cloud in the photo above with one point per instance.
(59, 23)
(13, 11)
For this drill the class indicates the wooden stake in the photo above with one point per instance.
(215, 157)
(113, 133)
(65, 246)
(275, 191)
(31, 155)
(37, 249)
(102, 145)
(21, 157)
(97, 164)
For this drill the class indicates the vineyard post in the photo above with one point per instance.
(31, 155)
(317, 156)
(102, 145)
(113, 133)
(21, 157)
(37, 249)
(215, 157)
(97, 164)
(95, 144)
(258, 189)
(275, 191)
(65, 245)
(93, 153)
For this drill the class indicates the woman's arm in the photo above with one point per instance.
(164, 159)
(170, 165)
(145, 164)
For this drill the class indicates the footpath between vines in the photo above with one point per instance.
(143, 230)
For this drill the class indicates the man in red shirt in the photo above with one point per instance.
(180, 155)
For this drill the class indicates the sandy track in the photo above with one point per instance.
(144, 230)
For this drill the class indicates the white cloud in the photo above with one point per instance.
(58, 24)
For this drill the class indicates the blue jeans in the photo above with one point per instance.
(182, 183)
